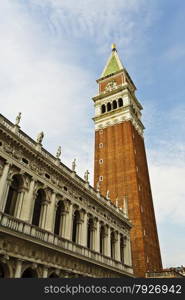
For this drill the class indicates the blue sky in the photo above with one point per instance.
(51, 53)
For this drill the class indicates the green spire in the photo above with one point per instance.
(113, 64)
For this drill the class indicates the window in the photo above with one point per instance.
(103, 108)
(13, 194)
(101, 131)
(114, 104)
(101, 178)
(108, 106)
(120, 102)
(37, 213)
(101, 145)
(101, 161)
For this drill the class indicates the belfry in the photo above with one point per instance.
(120, 166)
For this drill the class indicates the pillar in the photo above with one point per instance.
(18, 270)
(4, 185)
(45, 272)
(84, 230)
(107, 242)
(19, 203)
(26, 211)
(69, 222)
(97, 237)
(127, 252)
(117, 247)
(51, 212)
(42, 222)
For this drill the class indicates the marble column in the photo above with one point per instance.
(51, 213)
(4, 185)
(127, 252)
(117, 247)
(19, 203)
(26, 211)
(42, 221)
(45, 272)
(84, 230)
(18, 269)
(97, 237)
(69, 222)
(107, 250)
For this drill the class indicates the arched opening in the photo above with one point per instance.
(29, 273)
(38, 206)
(103, 108)
(114, 103)
(102, 238)
(53, 275)
(112, 244)
(122, 249)
(13, 194)
(90, 233)
(2, 271)
(120, 102)
(58, 217)
(76, 219)
(108, 106)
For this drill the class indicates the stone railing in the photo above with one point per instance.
(37, 233)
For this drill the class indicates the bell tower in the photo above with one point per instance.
(120, 166)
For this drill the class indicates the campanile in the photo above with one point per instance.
(120, 165)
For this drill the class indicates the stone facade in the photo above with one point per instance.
(120, 165)
(52, 222)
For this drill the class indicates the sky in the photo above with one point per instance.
(52, 52)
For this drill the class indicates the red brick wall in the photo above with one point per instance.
(118, 79)
(125, 173)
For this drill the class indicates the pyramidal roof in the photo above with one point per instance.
(113, 64)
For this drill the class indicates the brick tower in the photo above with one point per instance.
(120, 165)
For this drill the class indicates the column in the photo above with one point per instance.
(117, 247)
(84, 230)
(69, 222)
(18, 270)
(42, 222)
(51, 212)
(107, 242)
(19, 203)
(127, 252)
(4, 185)
(97, 236)
(45, 272)
(26, 211)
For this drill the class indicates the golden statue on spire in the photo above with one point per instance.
(113, 47)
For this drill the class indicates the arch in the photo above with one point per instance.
(4, 270)
(109, 106)
(103, 108)
(58, 217)
(53, 275)
(114, 104)
(90, 226)
(40, 198)
(29, 273)
(120, 102)
(122, 249)
(112, 244)
(76, 219)
(102, 238)
(13, 194)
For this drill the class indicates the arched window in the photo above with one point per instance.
(4, 270)
(29, 273)
(103, 108)
(114, 103)
(120, 102)
(76, 219)
(90, 233)
(108, 106)
(13, 194)
(38, 206)
(122, 249)
(102, 238)
(112, 244)
(58, 217)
